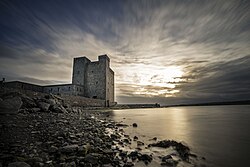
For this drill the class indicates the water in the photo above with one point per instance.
(219, 133)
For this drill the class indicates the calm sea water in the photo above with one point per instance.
(219, 133)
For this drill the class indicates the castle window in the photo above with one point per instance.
(58, 89)
(92, 71)
(96, 82)
(77, 89)
(69, 88)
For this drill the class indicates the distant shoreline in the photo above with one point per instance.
(244, 102)
(139, 106)
(148, 106)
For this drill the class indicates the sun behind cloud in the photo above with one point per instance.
(151, 80)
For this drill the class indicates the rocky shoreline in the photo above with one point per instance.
(42, 131)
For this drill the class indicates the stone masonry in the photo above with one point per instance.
(96, 77)
(90, 79)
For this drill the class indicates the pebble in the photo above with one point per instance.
(135, 138)
(18, 164)
(64, 138)
(134, 125)
(140, 143)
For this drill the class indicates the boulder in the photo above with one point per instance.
(121, 125)
(58, 99)
(53, 149)
(70, 164)
(114, 136)
(10, 105)
(135, 138)
(51, 102)
(133, 155)
(69, 148)
(82, 150)
(28, 102)
(10, 95)
(169, 162)
(57, 108)
(128, 164)
(125, 140)
(166, 158)
(18, 164)
(104, 159)
(34, 110)
(145, 158)
(155, 138)
(140, 143)
(183, 150)
(69, 109)
(44, 106)
(134, 125)
(92, 158)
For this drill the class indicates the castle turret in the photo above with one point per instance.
(79, 70)
(109, 79)
(104, 59)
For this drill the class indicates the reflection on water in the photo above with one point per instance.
(220, 133)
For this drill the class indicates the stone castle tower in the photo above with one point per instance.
(97, 78)
(90, 79)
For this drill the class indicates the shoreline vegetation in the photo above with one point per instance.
(42, 131)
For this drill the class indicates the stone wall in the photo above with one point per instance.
(23, 86)
(76, 101)
(95, 84)
(109, 80)
(69, 89)
(79, 70)
(79, 101)
(110, 85)
(90, 79)
(96, 77)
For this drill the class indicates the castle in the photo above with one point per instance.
(89, 79)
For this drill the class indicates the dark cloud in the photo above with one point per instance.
(8, 52)
(30, 80)
(221, 81)
(224, 80)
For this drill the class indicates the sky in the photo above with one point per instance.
(162, 51)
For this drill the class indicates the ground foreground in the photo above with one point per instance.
(42, 131)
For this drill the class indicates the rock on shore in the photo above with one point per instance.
(44, 132)
(14, 102)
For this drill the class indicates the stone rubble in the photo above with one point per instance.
(43, 132)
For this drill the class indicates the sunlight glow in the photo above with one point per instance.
(149, 80)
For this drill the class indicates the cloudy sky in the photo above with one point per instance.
(170, 52)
